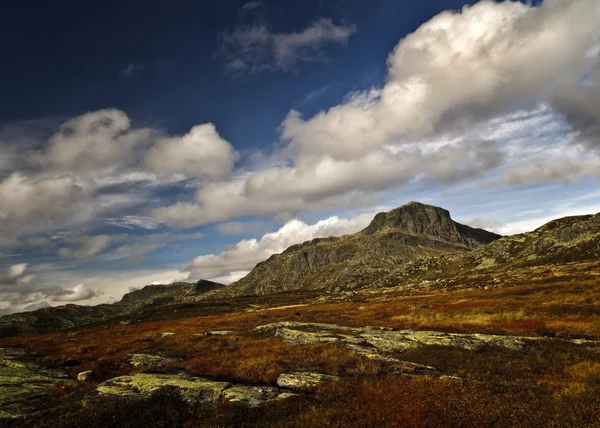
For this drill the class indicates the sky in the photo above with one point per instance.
(152, 142)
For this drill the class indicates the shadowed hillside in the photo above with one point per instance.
(408, 233)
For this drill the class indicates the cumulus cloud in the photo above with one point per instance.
(97, 140)
(459, 69)
(31, 204)
(256, 48)
(318, 183)
(235, 262)
(474, 62)
(21, 291)
(200, 153)
(580, 104)
(15, 275)
(76, 294)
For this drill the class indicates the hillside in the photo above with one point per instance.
(405, 234)
(70, 316)
(506, 333)
(558, 246)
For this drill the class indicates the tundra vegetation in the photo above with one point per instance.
(502, 334)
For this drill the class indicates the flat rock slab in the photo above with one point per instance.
(141, 360)
(303, 381)
(379, 342)
(251, 396)
(193, 390)
(219, 333)
(386, 339)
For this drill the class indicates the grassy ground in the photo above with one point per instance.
(549, 384)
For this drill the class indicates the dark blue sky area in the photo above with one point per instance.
(65, 58)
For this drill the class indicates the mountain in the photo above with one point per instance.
(552, 248)
(393, 238)
(157, 295)
(69, 316)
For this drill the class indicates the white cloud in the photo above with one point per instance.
(256, 48)
(553, 170)
(200, 153)
(531, 223)
(88, 246)
(15, 275)
(93, 141)
(76, 294)
(235, 262)
(317, 183)
(29, 205)
(475, 62)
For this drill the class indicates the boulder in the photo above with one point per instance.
(85, 376)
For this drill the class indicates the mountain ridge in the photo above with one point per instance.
(407, 233)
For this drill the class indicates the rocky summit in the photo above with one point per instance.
(393, 238)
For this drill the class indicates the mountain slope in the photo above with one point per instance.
(407, 233)
(69, 316)
(554, 246)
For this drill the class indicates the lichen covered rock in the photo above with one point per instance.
(141, 360)
(23, 383)
(303, 381)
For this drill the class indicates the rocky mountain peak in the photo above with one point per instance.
(421, 219)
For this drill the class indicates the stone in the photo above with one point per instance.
(85, 376)
(141, 360)
(386, 340)
(251, 396)
(303, 381)
(219, 333)
(193, 390)
(144, 385)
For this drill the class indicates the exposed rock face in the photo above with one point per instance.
(354, 261)
(141, 360)
(23, 383)
(435, 222)
(303, 381)
(375, 342)
(193, 390)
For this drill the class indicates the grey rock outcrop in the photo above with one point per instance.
(193, 390)
(303, 381)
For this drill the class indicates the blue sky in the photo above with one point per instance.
(191, 140)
